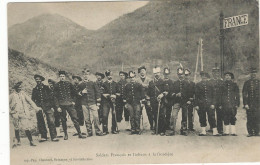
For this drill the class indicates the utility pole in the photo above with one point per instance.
(221, 39)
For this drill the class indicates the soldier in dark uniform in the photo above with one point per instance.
(64, 95)
(230, 102)
(217, 83)
(190, 96)
(144, 80)
(99, 82)
(179, 95)
(78, 106)
(251, 103)
(169, 102)
(110, 90)
(90, 95)
(119, 99)
(205, 104)
(41, 95)
(155, 92)
(133, 97)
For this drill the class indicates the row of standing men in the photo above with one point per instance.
(214, 99)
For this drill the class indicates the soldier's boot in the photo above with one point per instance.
(226, 133)
(215, 132)
(29, 136)
(79, 132)
(203, 131)
(183, 129)
(17, 136)
(233, 130)
(128, 127)
(173, 128)
(65, 135)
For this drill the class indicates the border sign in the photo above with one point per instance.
(235, 21)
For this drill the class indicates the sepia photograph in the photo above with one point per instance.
(133, 82)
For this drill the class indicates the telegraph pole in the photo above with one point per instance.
(221, 39)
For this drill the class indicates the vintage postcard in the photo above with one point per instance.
(134, 82)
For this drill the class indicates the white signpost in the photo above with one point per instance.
(235, 21)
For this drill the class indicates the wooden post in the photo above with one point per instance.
(221, 39)
(197, 63)
(201, 56)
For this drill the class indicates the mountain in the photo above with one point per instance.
(40, 35)
(165, 31)
(23, 68)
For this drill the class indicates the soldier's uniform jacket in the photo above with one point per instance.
(168, 87)
(217, 85)
(93, 93)
(180, 86)
(251, 93)
(41, 95)
(133, 92)
(121, 87)
(100, 85)
(52, 96)
(64, 93)
(155, 88)
(190, 90)
(145, 83)
(230, 94)
(204, 94)
(110, 87)
(77, 97)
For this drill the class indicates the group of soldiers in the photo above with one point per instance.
(90, 102)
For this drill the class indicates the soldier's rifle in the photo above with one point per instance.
(157, 120)
(114, 111)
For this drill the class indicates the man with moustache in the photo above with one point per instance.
(41, 96)
(144, 81)
(109, 93)
(64, 95)
(133, 97)
(251, 101)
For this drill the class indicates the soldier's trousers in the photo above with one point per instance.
(41, 124)
(50, 121)
(73, 115)
(187, 117)
(106, 109)
(149, 113)
(56, 117)
(168, 108)
(100, 113)
(161, 119)
(135, 115)
(190, 116)
(220, 118)
(88, 111)
(229, 116)
(253, 121)
(80, 114)
(205, 111)
(120, 109)
(174, 116)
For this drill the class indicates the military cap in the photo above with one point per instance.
(17, 85)
(187, 72)
(51, 81)
(216, 68)
(62, 72)
(122, 72)
(77, 77)
(140, 68)
(180, 71)
(41, 77)
(108, 73)
(131, 74)
(100, 74)
(230, 73)
(166, 71)
(156, 69)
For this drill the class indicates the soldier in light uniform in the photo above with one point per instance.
(110, 90)
(169, 102)
(99, 82)
(217, 83)
(230, 102)
(179, 95)
(119, 99)
(133, 97)
(205, 104)
(64, 95)
(190, 96)
(90, 95)
(251, 101)
(155, 92)
(41, 95)
(144, 81)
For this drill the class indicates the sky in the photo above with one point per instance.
(92, 15)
